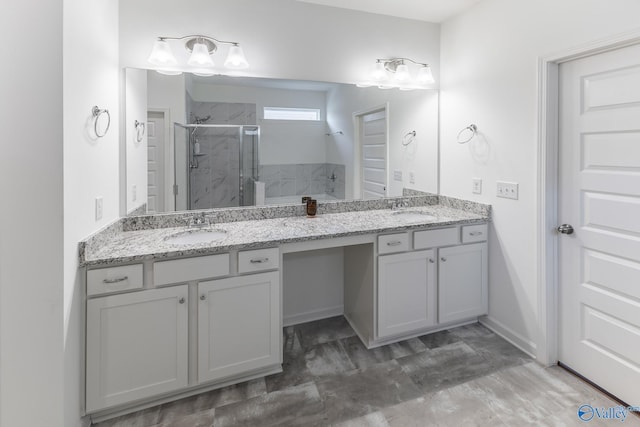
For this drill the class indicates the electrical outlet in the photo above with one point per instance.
(397, 175)
(134, 192)
(508, 190)
(412, 177)
(477, 186)
(99, 209)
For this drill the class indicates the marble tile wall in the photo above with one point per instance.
(303, 179)
(215, 181)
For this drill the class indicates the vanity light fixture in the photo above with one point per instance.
(200, 49)
(394, 73)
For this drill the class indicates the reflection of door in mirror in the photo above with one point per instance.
(372, 141)
(155, 162)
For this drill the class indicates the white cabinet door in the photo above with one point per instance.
(406, 292)
(238, 325)
(462, 282)
(136, 346)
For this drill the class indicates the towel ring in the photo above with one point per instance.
(408, 138)
(97, 112)
(140, 128)
(474, 132)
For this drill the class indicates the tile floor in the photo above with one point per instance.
(466, 376)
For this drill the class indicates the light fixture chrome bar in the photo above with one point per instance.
(199, 36)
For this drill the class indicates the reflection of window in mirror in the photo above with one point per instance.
(279, 113)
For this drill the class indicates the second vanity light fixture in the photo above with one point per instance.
(394, 73)
(200, 62)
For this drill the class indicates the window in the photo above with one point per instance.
(279, 113)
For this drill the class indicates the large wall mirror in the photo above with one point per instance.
(214, 142)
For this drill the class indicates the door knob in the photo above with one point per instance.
(565, 229)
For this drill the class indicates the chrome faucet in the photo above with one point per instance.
(399, 204)
(199, 222)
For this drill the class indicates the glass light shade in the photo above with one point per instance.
(402, 73)
(161, 54)
(379, 73)
(169, 72)
(200, 56)
(425, 76)
(236, 60)
(203, 72)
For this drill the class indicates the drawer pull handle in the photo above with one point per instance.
(431, 260)
(394, 243)
(203, 297)
(181, 301)
(118, 280)
(443, 259)
(259, 260)
(475, 233)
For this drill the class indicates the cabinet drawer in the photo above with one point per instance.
(474, 233)
(434, 238)
(184, 270)
(393, 243)
(114, 279)
(258, 260)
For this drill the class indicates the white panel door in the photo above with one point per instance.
(599, 196)
(155, 162)
(463, 287)
(239, 327)
(406, 292)
(373, 140)
(136, 346)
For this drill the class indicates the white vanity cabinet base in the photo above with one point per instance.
(463, 290)
(239, 325)
(136, 346)
(406, 292)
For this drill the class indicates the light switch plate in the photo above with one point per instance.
(412, 177)
(99, 209)
(507, 190)
(477, 186)
(397, 175)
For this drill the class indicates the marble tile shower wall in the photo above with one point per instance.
(303, 179)
(215, 179)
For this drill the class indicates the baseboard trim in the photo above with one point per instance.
(510, 335)
(310, 316)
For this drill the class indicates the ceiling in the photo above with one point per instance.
(422, 10)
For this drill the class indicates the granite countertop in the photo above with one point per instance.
(138, 245)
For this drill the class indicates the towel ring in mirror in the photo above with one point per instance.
(97, 112)
(140, 129)
(471, 128)
(408, 138)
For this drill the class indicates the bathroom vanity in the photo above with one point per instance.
(170, 313)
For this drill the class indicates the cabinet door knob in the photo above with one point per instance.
(443, 259)
(203, 297)
(431, 260)
(181, 300)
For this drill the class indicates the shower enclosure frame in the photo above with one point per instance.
(191, 157)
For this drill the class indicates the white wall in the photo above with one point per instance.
(489, 77)
(136, 151)
(31, 236)
(281, 38)
(408, 111)
(91, 166)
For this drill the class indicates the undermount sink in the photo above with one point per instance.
(413, 216)
(191, 237)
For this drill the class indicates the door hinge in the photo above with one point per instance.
(175, 189)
